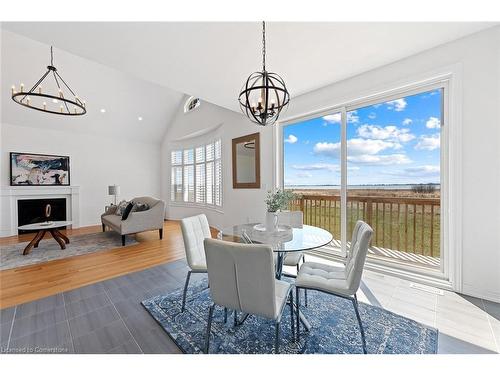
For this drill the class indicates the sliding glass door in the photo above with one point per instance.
(377, 161)
(312, 170)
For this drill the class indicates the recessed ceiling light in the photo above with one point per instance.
(103, 110)
(139, 118)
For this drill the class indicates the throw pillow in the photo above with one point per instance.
(121, 207)
(138, 207)
(127, 211)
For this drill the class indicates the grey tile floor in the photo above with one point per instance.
(107, 317)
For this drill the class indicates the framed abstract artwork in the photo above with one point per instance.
(38, 169)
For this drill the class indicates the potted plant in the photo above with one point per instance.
(276, 201)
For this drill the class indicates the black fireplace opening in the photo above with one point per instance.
(30, 211)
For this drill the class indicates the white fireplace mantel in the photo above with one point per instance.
(9, 195)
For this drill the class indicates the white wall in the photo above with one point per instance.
(95, 162)
(239, 205)
(477, 59)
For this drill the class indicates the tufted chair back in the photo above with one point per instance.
(242, 277)
(194, 230)
(292, 218)
(356, 256)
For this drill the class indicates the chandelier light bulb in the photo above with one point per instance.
(61, 108)
(44, 105)
(22, 87)
(28, 100)
(39, 89)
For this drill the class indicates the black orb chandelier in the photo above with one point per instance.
(59, 103)
(264, 94)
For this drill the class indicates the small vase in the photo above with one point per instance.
(271, 221)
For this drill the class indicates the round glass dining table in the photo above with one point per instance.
(285, 240)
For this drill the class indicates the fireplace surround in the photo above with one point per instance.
(9, 197)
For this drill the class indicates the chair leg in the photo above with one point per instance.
(291, 315)
(123, 240)
(355, 304)
(297, 295)
(298, 268)
(225, 314)
(209, 327)
(277, 339)
(185, 290)
(161, 233)
(103, 228)
(305, 297)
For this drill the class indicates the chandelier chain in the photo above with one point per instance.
(51, 57)
(263, 45)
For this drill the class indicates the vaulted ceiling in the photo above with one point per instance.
(122, 96)
(141, 69)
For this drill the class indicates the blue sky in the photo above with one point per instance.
(396, 142)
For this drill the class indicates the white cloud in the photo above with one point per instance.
(372, 115)
(304, 175)
(336, 118)
(433, 123)
(390, 132)
(424, 170)
(320, 167)
(419, 171)
(291, 139)
(379, 159)
(333, 119)
(407, 121)
(398, 105)
(428, 143)
(352, 117)
(355, 146)
(317, 167)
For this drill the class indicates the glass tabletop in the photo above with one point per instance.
(286, 240)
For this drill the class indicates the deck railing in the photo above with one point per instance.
(410, 225)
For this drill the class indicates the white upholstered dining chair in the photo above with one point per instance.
(295, 219)
(341, 281)
(194, 231)
(242, 278)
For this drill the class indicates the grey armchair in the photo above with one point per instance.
(136, 222)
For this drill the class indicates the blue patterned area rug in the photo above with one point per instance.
(334, 327)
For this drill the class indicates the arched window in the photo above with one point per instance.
(191, 104)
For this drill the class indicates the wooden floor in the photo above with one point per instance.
(32, 282)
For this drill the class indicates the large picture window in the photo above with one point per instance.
(196, 175)
(377, 161)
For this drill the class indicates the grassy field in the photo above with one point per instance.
(406, 224)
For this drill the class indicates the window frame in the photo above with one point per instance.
(194, 164)
(450, 272)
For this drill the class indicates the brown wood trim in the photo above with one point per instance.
(247, 138)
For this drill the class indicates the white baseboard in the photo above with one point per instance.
(490, 295)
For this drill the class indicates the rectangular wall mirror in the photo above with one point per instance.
(246, 162)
